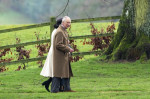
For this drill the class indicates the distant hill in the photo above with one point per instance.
(10, 16)
(38, 11)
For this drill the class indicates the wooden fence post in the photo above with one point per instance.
(52, 22)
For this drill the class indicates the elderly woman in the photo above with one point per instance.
(47, 70)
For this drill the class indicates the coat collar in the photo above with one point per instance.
(64, 31)
(62, 28)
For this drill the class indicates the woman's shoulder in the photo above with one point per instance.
(54, 30)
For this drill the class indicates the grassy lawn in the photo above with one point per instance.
(28, 35)
(93, 78)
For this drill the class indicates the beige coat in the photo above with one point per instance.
(61, 66)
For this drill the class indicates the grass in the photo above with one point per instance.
(28, 35)
(93, 78)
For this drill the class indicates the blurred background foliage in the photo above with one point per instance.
(38, 11)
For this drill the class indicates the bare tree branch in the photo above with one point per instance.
(63, 10)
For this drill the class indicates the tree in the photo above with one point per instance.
(132, 40)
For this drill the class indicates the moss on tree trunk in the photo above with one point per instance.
(132, 40)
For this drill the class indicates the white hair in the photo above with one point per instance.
(64, 18)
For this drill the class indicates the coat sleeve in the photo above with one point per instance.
(60, 43)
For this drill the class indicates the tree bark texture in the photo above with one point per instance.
(132, 40)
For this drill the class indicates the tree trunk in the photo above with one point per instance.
(132, 40)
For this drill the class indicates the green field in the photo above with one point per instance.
(93, 77)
